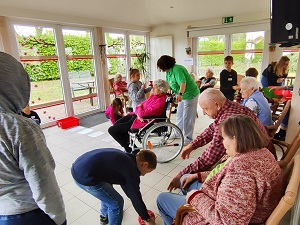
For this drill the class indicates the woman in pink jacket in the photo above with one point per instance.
(248, 188)
(120, 86)
(153, 106)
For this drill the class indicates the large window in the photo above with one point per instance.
(211, 54)
(79, 54)
(38, 49)
(293, 54)
(38, 54)
(116, 54)
(139, 56)
(246, 49)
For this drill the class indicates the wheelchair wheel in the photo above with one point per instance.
(165, 139)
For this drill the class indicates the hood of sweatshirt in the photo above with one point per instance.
(14, 85)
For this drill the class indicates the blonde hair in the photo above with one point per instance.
(278, 68)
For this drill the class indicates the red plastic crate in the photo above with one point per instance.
(67, 122)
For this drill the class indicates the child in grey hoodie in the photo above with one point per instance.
(29, 193)
(136, 89)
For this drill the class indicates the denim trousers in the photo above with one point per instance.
(111, 201)
(34, 217)
(168, 203)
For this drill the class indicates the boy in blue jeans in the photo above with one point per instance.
(96, 171)
(228, 79)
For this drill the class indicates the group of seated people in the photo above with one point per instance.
(247, 184)
(239, 138)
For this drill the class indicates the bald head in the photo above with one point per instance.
(212, 95)
(211, 101)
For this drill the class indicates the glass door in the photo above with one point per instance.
(80, 63)
(37, 50)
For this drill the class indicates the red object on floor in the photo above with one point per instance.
(151, 214)
(68, 122)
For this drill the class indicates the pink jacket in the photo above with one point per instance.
(153, 106)
(246, 190)
(120, 86)
(109, 112)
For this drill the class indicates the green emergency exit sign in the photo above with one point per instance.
(228, 19)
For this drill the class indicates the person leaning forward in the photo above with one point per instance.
(216, 106)
(96, 171)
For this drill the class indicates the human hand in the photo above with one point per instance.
(143, 86)
(186, 151)
(174, 184)
(151, 222)
(187, 180)
(277, 88)
(189, 194)
(280, 80)
(178, 98)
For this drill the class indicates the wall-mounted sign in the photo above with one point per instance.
(228, 19)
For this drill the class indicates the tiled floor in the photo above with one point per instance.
(83, 209)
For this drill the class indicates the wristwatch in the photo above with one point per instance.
(180, 93)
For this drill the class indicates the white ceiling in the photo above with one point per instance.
(146, 13)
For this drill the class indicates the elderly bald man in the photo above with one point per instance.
(215, 105)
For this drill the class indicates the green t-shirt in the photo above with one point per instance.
(176, 76)
(216, 169)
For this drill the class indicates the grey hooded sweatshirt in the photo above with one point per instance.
(27, 179)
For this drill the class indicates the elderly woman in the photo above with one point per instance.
(120, 86)
(255, 100)
(153, 106)
(208, 81)
(187, 93)
(248, 188)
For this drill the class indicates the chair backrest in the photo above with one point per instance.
(292, 174)
(290, 150)
(273, 128)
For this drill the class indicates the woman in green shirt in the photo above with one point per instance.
(187, 92)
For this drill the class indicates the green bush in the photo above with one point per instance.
(43, 45)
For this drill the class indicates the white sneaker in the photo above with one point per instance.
(174, 136)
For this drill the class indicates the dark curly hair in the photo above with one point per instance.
(165, 62)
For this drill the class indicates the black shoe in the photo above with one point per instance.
(174, 111)
(103, 220)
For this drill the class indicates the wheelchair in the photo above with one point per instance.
(161, 136)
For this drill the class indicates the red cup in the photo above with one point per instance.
(151, 214)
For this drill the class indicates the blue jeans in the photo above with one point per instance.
(34, 217)
(167, 204)
(192, 186)
(111, 201)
